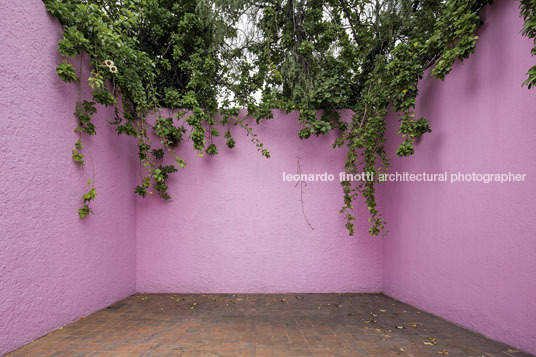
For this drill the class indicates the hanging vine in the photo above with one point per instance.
(211, 57)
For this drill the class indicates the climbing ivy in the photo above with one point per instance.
(211, 57)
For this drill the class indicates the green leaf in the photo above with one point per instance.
(66, 72)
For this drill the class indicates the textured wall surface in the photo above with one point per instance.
(466, 251)
(54, 268)
(235, 226)
(462, 251)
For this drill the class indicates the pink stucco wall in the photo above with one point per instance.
(462, 251)
(54, 268)
(467, 251)
(235, 226)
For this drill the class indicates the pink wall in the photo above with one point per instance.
(54, 268)
(467, 251)
(235, 226)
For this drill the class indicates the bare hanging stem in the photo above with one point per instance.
(302, 183)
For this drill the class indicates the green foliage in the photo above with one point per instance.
(171, 135)
(212, 150)
(96, 80)
(160, 175)
(158, 154)
(78, 158)
(66, 72)
(210, 57)
(84, 211)
(83, 112)
(102, 96)
(140, 190)
(87, 198)
(230, 141)
(73, 42)
(528, 12)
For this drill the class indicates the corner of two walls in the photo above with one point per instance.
(466, 251)
(54, 267)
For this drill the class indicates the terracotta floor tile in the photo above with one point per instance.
(262, 325)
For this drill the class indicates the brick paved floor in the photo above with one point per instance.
(262, 325)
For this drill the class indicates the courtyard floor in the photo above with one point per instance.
(262, 325)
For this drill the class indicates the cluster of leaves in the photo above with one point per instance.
(87, 198)
(210, 57)
(528, 12)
